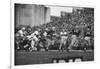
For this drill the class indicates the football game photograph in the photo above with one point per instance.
(52, 34)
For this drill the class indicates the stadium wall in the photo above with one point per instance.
(33, 15)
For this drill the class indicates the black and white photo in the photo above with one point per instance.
(52, 34)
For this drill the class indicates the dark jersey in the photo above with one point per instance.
(50, 34)
(41, 33)
(87, 33)
(76, 32)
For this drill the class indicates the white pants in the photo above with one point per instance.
(63, 41)
(33, 45)
(87, 39)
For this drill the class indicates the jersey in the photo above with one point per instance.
(50, 34)
(76, 32)
(87, 33)
(63, 33)
(21, 33)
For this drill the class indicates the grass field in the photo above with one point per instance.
(42, 57)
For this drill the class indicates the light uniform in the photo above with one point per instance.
(87, 38)
(36, 32)
(33, 36)
(34, 39)
(21, 33)
(63, 38)
(63, 35)
(45, 34)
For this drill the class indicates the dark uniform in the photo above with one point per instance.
(50, 34)
(76, 32)
(87, 33)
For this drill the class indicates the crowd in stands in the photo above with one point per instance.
(72, 31)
